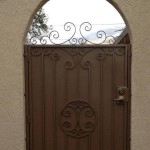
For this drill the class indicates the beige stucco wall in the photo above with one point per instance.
(14, 20)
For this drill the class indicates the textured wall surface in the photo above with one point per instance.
(15, 16)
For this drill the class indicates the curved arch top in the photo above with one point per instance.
(80, 23)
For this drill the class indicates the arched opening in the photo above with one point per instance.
(77, 64)
(95, 22)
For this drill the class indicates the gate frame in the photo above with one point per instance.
(26, 94)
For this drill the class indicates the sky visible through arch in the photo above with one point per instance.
(99, 13)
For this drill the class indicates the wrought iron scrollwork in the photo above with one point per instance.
(78, 119)
(86, 27)
(101, 55)
(67, 27)
(38, 51)
(100, 35)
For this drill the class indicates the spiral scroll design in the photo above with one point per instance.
(86, 64)
(101, 55)
(120, 51)
(69, 26)
(69, 65)
(101, 35)
(55, 56)
(78, 119)
(54, 36)
(38, 51)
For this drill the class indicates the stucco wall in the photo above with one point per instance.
(14, 20)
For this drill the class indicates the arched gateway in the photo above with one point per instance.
(78, 86)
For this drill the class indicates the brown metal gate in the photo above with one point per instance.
(77, 98)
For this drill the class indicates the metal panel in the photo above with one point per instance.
(71, 97)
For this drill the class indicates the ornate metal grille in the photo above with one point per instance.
(84, 122)
(53, 37)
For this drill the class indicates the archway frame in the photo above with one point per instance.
(116, 6)
(42, 3)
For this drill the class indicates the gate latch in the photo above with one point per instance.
(122, 95)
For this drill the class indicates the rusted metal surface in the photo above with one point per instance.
(70, 94)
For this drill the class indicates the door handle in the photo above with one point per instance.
(122, 95)
(120, 99)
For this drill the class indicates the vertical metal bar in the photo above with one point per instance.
(125, 66)
(31, 100)
(89, 97)
(27, 108)
(101, 104)
(89, 83)
(125, 126)
(54, 104)
(78, 139)
(66, 100)
(89, 141)
(78, 143)
(129, 56)
(66, 141)
(125, 106)
(77, 60)
(113, 96)
(66, 84)
(43, 102)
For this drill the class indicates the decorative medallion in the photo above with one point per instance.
(78, 119)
